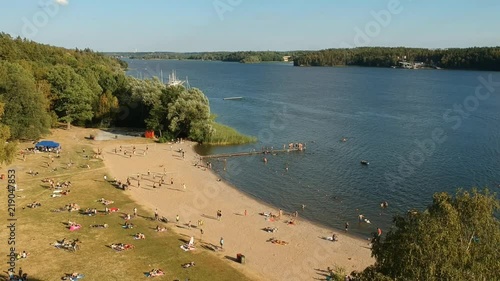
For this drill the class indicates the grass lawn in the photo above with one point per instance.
(38, 228)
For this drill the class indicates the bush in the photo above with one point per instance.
(163, 139)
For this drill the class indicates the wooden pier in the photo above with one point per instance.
(263, 153)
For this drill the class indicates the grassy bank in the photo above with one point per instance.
(37, 228)
(224, 135)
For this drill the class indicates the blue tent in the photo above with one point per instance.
(47, 144)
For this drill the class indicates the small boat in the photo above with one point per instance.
(233, 98)
(364, 162)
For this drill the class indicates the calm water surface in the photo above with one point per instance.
(386, 115)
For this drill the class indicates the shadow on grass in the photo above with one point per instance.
(232, 258)
(209, 217)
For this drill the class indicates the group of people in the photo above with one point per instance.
(34, 205)
(121, 246)
(68, 245)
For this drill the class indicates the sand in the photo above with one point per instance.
(307, 255)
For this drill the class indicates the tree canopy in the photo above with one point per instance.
(479, 58)
(456, 238)
(25, 110)
(41, 85)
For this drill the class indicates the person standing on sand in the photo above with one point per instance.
(171, 181)
(135, 212)
(177, 219)
(156, 214)
(346, 226)
(221, 241)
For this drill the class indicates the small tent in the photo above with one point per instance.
(47, 145)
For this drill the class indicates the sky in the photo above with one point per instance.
(257, 25)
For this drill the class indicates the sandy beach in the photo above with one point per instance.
(307, 255)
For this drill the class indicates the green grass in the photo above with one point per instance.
(37, 228)
(224, 135)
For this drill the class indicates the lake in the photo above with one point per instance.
(422, 131)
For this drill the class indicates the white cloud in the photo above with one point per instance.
(62, 2)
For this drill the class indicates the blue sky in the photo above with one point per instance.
(231, 25)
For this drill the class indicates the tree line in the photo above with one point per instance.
(42, 85)
(477, 58)
(240, 56)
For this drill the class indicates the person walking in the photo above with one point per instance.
(177, 219)
(135, 212)
(346, 226)
(156, 214)
(221, 243)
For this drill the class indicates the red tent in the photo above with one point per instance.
(149, 134)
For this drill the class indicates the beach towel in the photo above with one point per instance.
(74, 227)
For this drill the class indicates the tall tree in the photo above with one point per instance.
(456, 238)
(73, 98)
(189, 115)
(7, 149)
(25, 107)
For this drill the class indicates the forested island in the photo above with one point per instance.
(241, 56)
(476, 58)
(485, 58)
(42, 85)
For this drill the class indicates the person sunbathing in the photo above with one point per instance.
(188, 265)
(34, 205)
(156, 272)
(140, 236)
(128, 225)
(99, 225)
(271, 229)
(292, 222)
(160, 229)
(279, 242)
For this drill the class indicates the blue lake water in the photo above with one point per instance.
(422, 131)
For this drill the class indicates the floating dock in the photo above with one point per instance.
(233, 98)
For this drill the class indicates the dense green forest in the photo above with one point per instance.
(242, 56)
(485, 58)
(42, 85)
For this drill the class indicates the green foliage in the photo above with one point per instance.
(251, 59)
(456, 238)
(189, 115)
(42, 85)
(239, 56)
(223, 135)
(7, 149)
(72, 95)
(25, 106)
(163, 139)
(484, 58)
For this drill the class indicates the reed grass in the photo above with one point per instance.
(225, 135)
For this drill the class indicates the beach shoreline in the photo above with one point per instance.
(308, 253)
